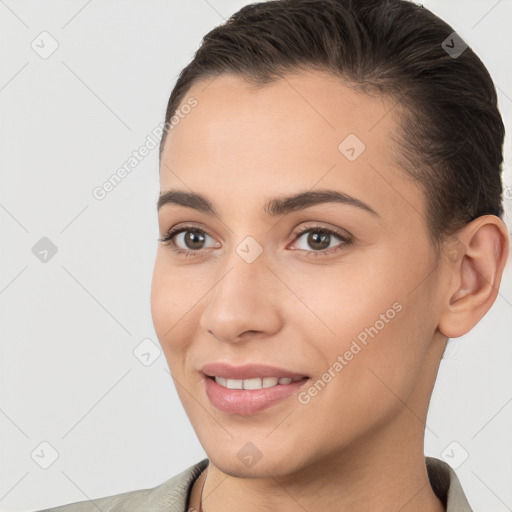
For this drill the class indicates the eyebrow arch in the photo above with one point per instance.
(273, 208)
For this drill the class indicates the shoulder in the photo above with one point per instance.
(170, 496)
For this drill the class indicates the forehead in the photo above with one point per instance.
(303, 131)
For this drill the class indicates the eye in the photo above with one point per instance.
(322, 240)
(190, 240)
(187, 240)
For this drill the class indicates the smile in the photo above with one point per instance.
(255, 383)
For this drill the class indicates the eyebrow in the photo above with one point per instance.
(273, 208)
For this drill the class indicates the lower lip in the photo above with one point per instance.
(248, 401)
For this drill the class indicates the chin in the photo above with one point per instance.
(262, 469)
(243, 459)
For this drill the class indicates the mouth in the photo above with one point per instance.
(248, 371)
(249, 389)
(255, 383)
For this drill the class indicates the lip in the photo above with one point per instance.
(245, 402)
(248, 371)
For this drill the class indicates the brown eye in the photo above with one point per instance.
(188, 240)
(194, 239)
(321, 241)
(318, 240)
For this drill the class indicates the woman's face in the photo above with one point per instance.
(339, 294)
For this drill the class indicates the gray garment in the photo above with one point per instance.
(173, 494)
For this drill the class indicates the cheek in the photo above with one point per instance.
(386, 370)
(363, 384)
(342, 300)
(372, 321)
(171, 302)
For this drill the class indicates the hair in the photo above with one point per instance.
(450, 129)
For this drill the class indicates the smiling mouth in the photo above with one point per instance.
(254, 383)
(244, 397)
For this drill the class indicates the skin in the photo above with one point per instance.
(358, 444)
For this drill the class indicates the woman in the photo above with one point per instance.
(330, 215)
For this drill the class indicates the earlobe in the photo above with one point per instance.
(475, 261)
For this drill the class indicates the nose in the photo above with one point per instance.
(245, 303)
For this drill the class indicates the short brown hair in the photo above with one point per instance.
(452, 131)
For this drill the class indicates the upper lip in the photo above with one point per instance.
(247, 371)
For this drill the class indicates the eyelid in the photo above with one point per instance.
(185, 226)
(168, 238)
(341, 233)
(344, 237)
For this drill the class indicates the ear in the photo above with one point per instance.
(475, 260)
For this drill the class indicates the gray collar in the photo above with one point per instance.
(446, 485)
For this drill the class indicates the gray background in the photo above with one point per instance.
(70, 325)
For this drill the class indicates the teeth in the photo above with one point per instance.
(252, 383)
(269, 382)
(234, 383)
(222, 381)
(257, 383)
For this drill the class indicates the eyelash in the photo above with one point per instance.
(168, 240)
